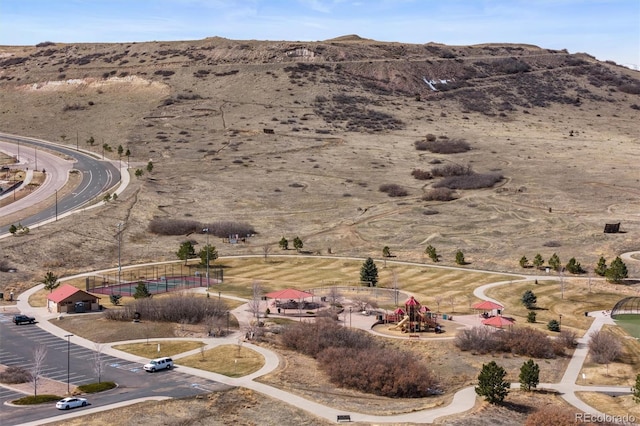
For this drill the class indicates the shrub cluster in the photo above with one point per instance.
(470, 181)
(421, 174)
(222, 229)
(523, 341)
(14, 375)
(439, 194)
(184, 308)
(451, 170)
(354, 360)
(443, 146)
(393, 190)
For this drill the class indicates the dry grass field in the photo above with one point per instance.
(300, 145)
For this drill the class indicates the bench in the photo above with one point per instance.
(344, 417)
(417, 336)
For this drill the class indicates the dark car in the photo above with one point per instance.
(23, 319)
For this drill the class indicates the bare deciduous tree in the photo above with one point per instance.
(39, 354)
(98, 361)
(254, 303)
(265, 251)
(604, 347)
(452, 301)
(334, 296)
(438, 300)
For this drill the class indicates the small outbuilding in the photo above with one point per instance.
(70, 299)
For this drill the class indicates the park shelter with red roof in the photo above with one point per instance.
(70, 299)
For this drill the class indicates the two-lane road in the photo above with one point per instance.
(97, 177)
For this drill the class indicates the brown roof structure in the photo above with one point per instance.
(65, 291)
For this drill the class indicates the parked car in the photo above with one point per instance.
(71, 402)
(159, 364)
(23, 319)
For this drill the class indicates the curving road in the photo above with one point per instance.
(98, 176)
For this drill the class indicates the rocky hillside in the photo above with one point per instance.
(298, 138)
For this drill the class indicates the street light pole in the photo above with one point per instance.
(349, 316)
(119, 257)
(206, 230)
(68, 336)
(56, 205)
(560, 323)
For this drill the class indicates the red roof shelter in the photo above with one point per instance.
(69, 299)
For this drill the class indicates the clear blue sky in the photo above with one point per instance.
(606, 29)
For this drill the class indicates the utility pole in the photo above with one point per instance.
(68, 336)
(206, 230)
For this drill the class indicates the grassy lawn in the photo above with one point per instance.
(631, 323)
(620, 373)
(167, 348)
(551, 304)
(613, 405)
(230, 360)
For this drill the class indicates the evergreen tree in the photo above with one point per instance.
(369, 272)
(524, 262)
(574, 266)
(553, 325)
(636, 390)
(149, 166)
(531, 317)
(617, 271)
(529, 375)
(284, 243)
(554, 262)
(538, 261)
(431, 252)
(386, 251)
(50, 281)
(186, 251)
(529, 299)
(491, 383)
(601, 268)
(297, 243)
(213, 254)
(460, 258)
(141, 291)
(115, 299)
(13, 229)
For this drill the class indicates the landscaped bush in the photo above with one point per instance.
(186, 308)
(439, 194)
(378, 371)
(96, 387)
(353, 359)
(470, 181)
(476, 339)
(523, 341)
(14, 375)
(526, 341)
(393, 190)
(38, 399)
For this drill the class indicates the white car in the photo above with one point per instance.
(71, 402)
(159, 364)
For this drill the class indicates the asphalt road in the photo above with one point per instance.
(17, 348)
(97, 177)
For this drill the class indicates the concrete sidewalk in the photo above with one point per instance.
(463, 400)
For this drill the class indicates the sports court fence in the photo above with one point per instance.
(157, 279)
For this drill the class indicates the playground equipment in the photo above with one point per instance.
(415, 318)
(400, 324)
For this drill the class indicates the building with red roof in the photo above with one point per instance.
(70, 299)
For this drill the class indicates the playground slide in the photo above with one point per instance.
(401, 323)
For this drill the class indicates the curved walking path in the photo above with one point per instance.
(463, 400)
